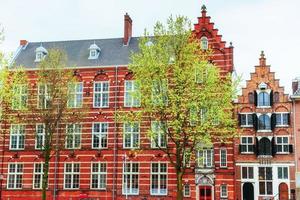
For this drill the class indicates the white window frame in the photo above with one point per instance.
(132, 134)
(281, 119)
(72, 173)
(75, 90)
(282, 144)
(222, 163)
(186, 190)
(283, 172)
(93, 54)
(15, 175)
(247, 169)
(247, 120)
(39, 134)
(102, 93)
(223, 191)
(129, 99)
(20, 144)
(130, 173)
(156, 126)
(268, 91)
(100, 134)
(20, 96)
(160, 191)
(37, 174)
(46, 97)
(74, 134)
(39, 56)
(206, 158)
(160, 92)
(204, 43)
(247, 144)
(258, 126)
(100, 174)
(265, 181)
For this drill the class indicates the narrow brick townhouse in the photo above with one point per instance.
(106, 168)
(264, 159)
(296, 129)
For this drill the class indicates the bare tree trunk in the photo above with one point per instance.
(46, 172)
(179, 175)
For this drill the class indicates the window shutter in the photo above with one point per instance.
(273, 121)
(271, 98)
(240, 119)
(240, 148)
(291, 149)
(255, 124)
(255, 98)
(256, 146)
(289, 118)
(274, 147)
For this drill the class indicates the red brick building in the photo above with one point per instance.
(97, 161)
(264, 159)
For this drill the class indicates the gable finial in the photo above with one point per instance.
(203, 8)
(262, 59)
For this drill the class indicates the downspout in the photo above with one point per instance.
(294, 129)
(115, 134)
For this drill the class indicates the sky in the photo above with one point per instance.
(252, 25)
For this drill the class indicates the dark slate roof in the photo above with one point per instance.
(113, 52)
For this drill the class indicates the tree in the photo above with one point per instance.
(52, 105)
(181, 94)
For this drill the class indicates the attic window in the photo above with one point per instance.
(204, 43)
(262, 86)
(40, 54)
(94, 51)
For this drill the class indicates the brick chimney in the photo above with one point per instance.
(296, 84)
(23, 42)
(127, 29)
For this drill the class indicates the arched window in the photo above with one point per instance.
(263, 99)
(264, 122)
(204, 43)
(265, 147)
(251, 97)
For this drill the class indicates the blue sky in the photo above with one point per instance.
(252, 25)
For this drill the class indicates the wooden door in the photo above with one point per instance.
(205, 192)
(283, 191)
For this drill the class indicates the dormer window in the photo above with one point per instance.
(94, 51)
(40, 54)
(204, 43)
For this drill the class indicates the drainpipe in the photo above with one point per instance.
(115, 171)
(294, 135)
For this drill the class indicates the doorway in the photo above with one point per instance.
(205, 193)
(248, 191)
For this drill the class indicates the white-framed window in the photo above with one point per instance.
(130, 178)
(187, 158)
(99, 132)
(263, 99)
(71, 175)
(282, 144)
(201, 74)
(43, 96)
(98, 175)
(131, 135)
(283, 172)
(247, 173)
(38, 175)
(73, 136)
(159, 138)
(17, 137)
(223, 157)
(131, 94)
(15, 176)
(75, 95)
(223, 191)
(247, 144)
(19, 99)
(39, 56)
(205, 158)
(246, 119)
(264, 122)
(101, 94)
(159, 178)
(160, 92)
(186, 190)
(93, 53)
(282, 119)
(204, 43)
(265, 180)
(203, 115)
(40, 136)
